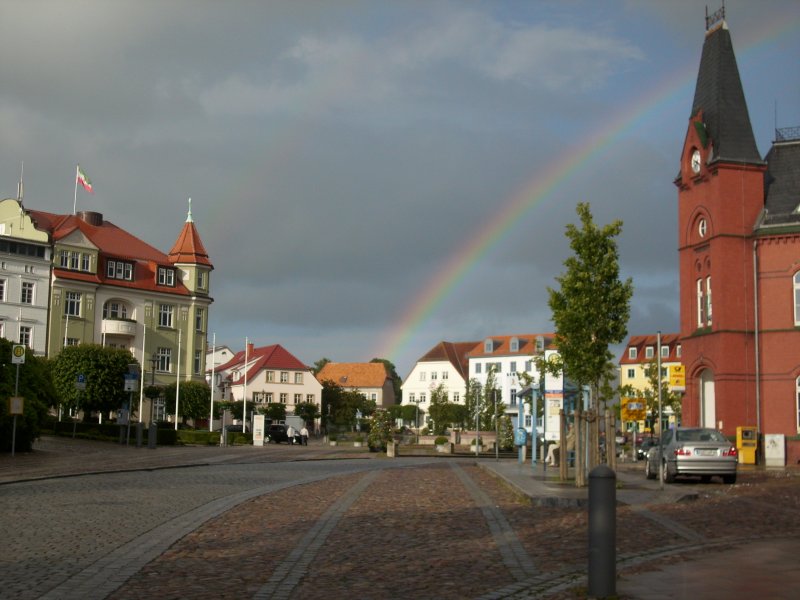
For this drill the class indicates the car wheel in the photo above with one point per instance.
(668, 474)
(647, 470)
(729, 479)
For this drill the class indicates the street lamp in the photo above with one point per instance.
(416, 402)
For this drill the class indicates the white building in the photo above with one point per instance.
(445, 364)
(267, 375)
(25, 257)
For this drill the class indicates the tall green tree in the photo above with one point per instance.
(104, 371)
(439, 409)
(194, 400)
(649, 393)
(320, 363)
(275, 411)
(396, 380)
(308, 411)
(592, 306)
(339, 406)
(35, 386)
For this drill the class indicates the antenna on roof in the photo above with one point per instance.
(189, 216)
(712, 20)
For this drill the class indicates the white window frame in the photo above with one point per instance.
(72, 304)
(284, 376)
(27, 290)
(632, 353)
(165, 315)
(74, 260)
(649, 352)
(166, 276)
(198, 319)
(298, 378)
(631, 373)
(664, 351)
(25, 335)
(701, 304)
(708, 300)
(3, 282)
(164, 356)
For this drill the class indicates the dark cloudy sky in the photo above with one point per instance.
(344, 157)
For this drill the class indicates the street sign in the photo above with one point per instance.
(677, 378)
(632, 409)
(131, 382)
(16, 405)
(80, 382)
(18, 354)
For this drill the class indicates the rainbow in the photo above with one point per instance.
(542, 186)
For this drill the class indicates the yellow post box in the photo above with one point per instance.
(747, 444)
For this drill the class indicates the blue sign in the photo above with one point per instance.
(520, 436)
(81, 378)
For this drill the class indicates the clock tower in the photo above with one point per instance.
(720, 196)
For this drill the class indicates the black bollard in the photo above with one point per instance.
(602, 532)
(152, 435)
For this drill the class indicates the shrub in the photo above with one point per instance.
(442, 439)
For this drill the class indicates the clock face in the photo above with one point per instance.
(696, 161)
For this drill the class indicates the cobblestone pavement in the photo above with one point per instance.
(240, 526)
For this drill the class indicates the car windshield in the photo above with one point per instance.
(700, 435)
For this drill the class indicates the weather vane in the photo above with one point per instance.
(716, 17)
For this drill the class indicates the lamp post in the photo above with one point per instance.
(416, 402)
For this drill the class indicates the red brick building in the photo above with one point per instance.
(739, 253)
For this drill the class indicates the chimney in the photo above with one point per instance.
(250, 349)
(92, 218)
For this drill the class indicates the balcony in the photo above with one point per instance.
(119, 327)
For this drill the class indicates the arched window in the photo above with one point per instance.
(114, 309)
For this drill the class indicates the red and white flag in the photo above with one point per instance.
(84, 180)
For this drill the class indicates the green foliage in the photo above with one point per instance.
(104, 370)
(442, 439)
(491, 403)
(320, 363)
(197, 437)
(396, 380)
(380, 432)
(439, 409)
(308, 411)
(506, 433)
(276, 411)
(339, 406)
(194, 401)
(650, 393)
(592, 306)
(35, 387)
(236, 408)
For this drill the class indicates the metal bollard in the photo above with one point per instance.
(139, 434)
(152, 435)
(602, 532)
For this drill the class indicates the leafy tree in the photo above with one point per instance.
(35, 386)
(235, 408)
(339, 406)
(104, 370)
(396, 380)
(320, 363)
(459, 415)
(473, 399)
(308, 411)
(650, 393)
(439, 409)
(506, 433)
(491, 403)
(592, 306)
(194, 400)
(380, 430)
(275, 411)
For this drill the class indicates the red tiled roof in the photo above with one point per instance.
(502, 345)
(188, 248)
(114, 243)
(355, 375)
(456, 353)
(266, 357)
(640, 342)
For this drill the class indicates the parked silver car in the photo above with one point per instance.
(693, 451)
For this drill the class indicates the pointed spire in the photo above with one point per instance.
(188, 247)
(720, 97)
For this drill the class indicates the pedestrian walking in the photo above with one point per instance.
(304, 436)
(290, 434)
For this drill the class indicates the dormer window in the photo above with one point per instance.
(166, 276)
(118, 269)
(514, 344)
(539, 344)
(648, 352)
(488, 346)
(664, 351)
(632, 353)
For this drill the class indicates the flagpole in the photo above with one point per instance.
(75, 198)
(244, 395)
(178, 380)
(141, 378)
